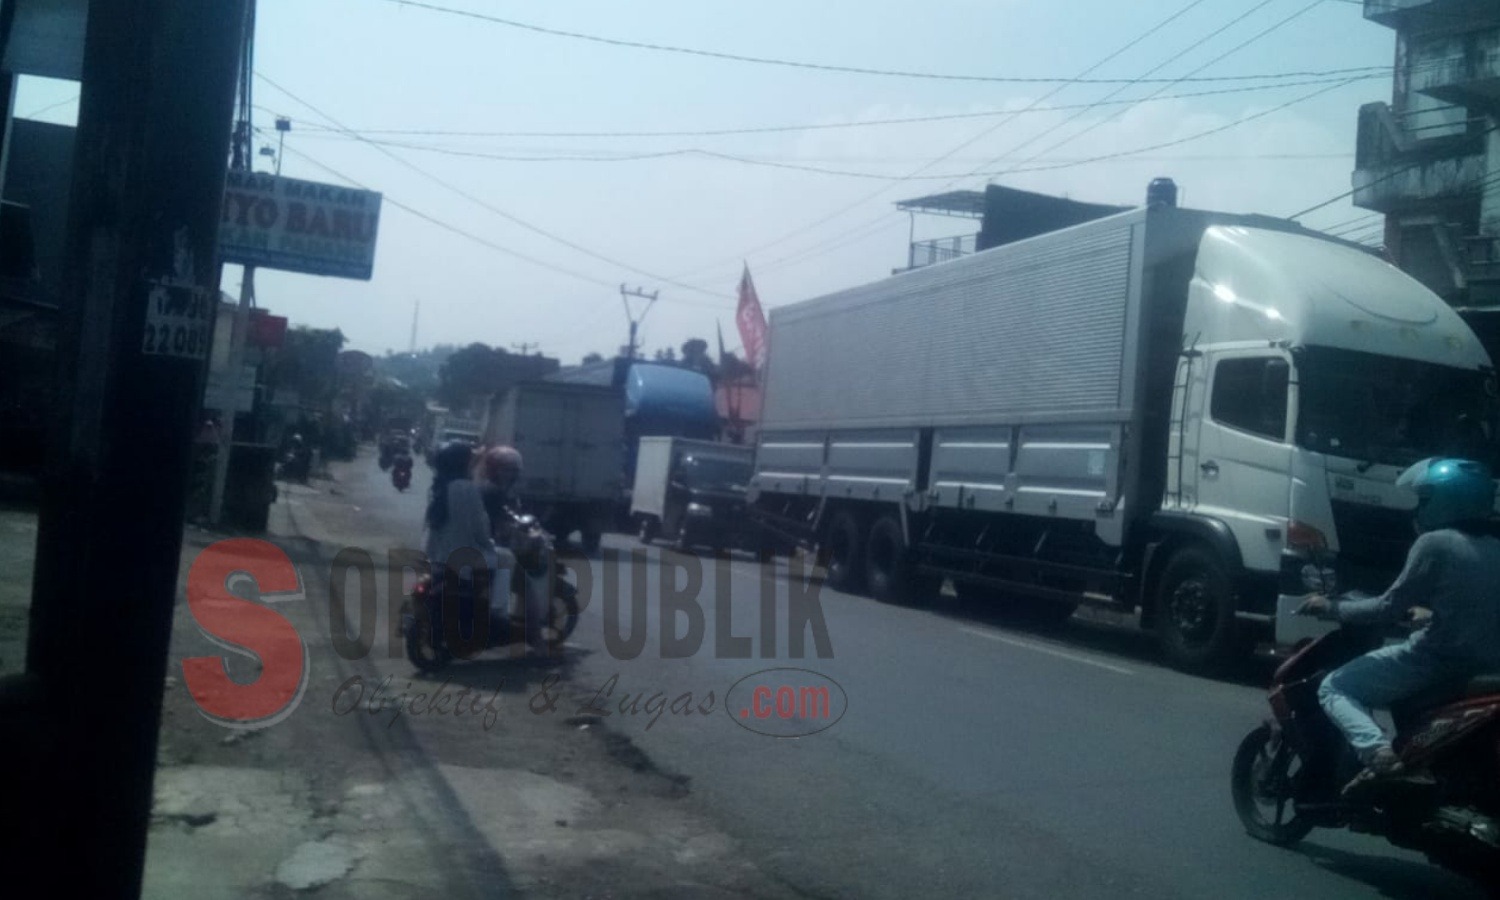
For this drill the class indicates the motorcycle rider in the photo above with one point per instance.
(1453, 569)
(498, 470)
(456, 521)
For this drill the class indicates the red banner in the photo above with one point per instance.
(752, 322)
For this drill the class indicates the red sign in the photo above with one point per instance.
(265, 330)
(752, 322)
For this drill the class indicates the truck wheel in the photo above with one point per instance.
(649, 529)
(1195, 622)
(890, 572)
(843, 554)
(591, 540)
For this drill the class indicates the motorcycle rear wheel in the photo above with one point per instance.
(1263, 775)
(562, 614)
(422, 649)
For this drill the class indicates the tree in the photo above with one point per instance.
(695, 356)
(592, 358)
(470, 376)
(307, 363)
(666, 354)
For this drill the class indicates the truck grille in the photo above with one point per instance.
(1373, 543)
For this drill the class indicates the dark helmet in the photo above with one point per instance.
(1449, 491)
(452, 460)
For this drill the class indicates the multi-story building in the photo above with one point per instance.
(1429, 160)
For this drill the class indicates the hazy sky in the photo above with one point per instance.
(378, 66)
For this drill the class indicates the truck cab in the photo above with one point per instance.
(691, 492)
(1316, 375)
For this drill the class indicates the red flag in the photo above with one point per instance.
(752, 322)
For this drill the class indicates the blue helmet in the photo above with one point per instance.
(1449, 491)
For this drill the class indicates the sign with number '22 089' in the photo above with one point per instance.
(179, 319)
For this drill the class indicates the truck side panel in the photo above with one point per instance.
(871, 465)
(598, 446)
(1067, 470)
(971, 469)
(790, 462)
(1039, 328)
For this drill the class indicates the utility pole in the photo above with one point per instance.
(524, 348)
(240, 325)
(139, 295)
(635, 321)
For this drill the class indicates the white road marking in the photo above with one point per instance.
(1048, 650)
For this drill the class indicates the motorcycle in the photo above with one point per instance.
(1289, 772)
(432, 641)
(401, 473)
(296, 465)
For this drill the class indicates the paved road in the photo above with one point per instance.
(973, 760)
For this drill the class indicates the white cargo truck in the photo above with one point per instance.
(690, 492)
(572, 440)
(1194, 417)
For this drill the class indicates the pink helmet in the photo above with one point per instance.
(499, 459)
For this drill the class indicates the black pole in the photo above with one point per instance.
(140, 299)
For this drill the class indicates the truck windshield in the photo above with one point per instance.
(1378, 409)
(717, 474)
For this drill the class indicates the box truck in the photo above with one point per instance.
(571, 438)
(691, 493)
(1197, 418)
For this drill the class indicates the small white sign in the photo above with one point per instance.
(240, 397)
(179, 319)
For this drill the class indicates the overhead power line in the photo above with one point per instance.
(535, 229)
(826, 67)
(824, 126)
(796, 163)
(1386, 177)
(447, 226)
(1217, 59)
(961, 146)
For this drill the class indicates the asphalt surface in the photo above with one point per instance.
(970, 760)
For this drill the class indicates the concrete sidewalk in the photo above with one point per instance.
(382, 801)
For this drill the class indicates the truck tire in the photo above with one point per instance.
(649, 529)
(843, 554)
(1195, 622)
(890, 571)
(591, 539)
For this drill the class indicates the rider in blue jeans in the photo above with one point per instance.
(1453, 569)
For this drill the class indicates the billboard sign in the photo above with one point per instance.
(298, 226)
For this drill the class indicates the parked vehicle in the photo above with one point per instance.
(1289, 771)
(1164, 411)
(691, 492)
(433, 641)
(572, 438)
(401, 472)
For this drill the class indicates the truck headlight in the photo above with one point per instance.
(1320, 579)
(699, 509)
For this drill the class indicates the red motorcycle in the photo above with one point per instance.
(1289, 773)
(440, 628)
(401, 473)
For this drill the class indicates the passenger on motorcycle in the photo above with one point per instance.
(498, 471)
(457, 524)
(1453, 569)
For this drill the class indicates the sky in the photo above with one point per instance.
(535, 234)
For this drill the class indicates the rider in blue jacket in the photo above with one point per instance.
(1453, 569)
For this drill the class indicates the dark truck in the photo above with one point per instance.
(691, 492)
